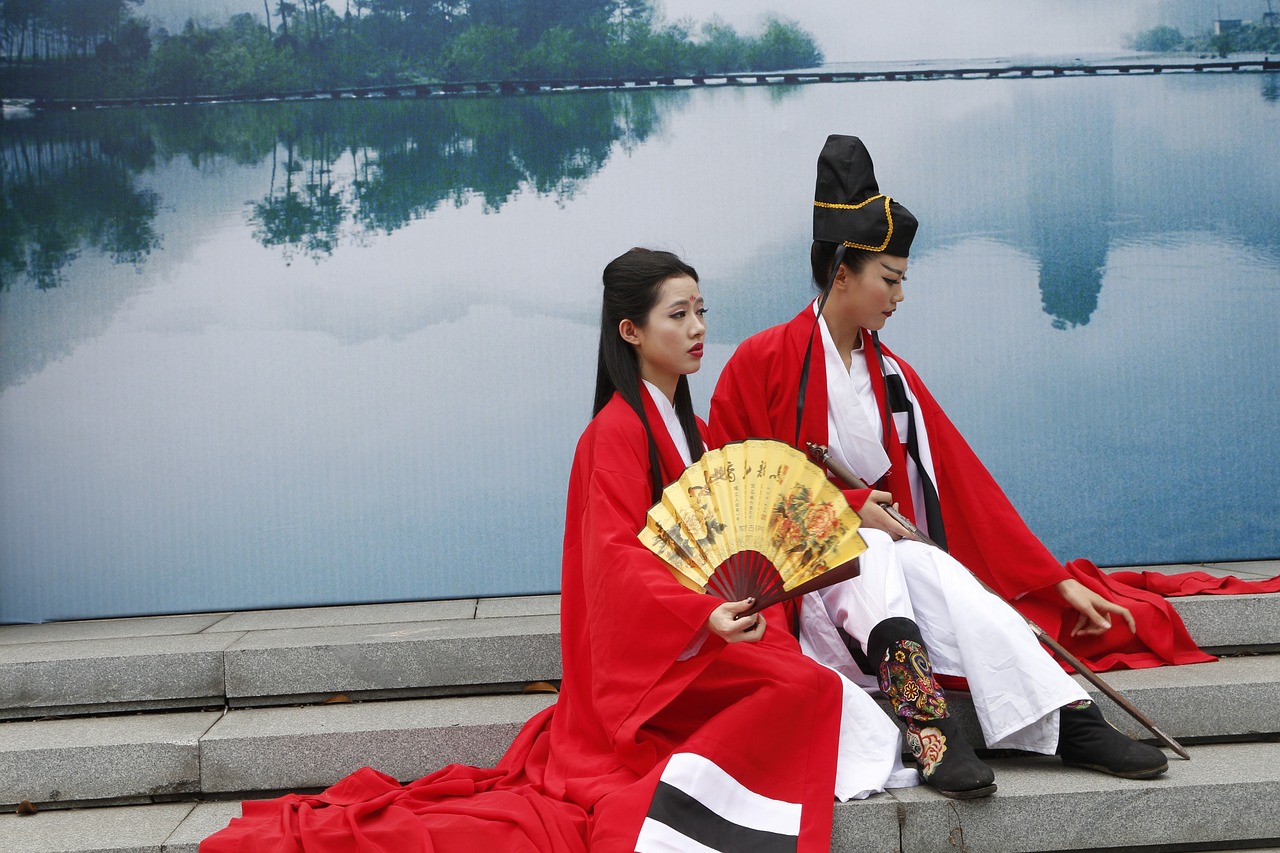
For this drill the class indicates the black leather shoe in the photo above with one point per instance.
(1087, 740)
(946, 762)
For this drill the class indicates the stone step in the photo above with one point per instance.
(277, 657)
(1233, 698)
(102, 758)
(1229, 622)
(1224, 798)
(1225, 794)
(138, 757)
(267, 749)
(132, 757)
(384, 651)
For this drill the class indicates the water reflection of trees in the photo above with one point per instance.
(339, 171)
(1071, 231)
(64, 189)
(348, 172)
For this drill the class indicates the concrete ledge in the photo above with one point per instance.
(1231, 621)
(119, 673)
(1185, 702)
(279, 657)
(108, 629)
(524, 605)
(1249, 569)
(182, 662)
(266, 749)
(152, 828)
(101, 758)
(1224, 796)
(204, 820)
(347, 614)
(1230, 697)
(870, 826)
(393, 656)
(1226, 793)
(115, 758)
(126, 829)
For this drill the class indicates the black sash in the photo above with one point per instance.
(896, 400)
(808, 350)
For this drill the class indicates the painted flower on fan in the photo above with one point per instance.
(788, 533)
(695, 524)
(796, 502)
(822, 520)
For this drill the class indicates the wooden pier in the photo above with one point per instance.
(481, 88)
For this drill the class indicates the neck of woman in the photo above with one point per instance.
(847, 337)
(665, 384)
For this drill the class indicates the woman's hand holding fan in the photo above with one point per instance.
(755, 519)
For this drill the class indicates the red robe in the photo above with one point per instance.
(585, 773)
(756, 398)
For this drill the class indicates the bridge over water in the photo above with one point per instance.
(480, 88)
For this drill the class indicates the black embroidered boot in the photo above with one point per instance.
(944, 759)
(1087, 740)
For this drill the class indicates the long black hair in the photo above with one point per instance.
(632, 284)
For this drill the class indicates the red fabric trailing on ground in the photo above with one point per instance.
(581, 775)
(1195, 583)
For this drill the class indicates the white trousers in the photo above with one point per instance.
(1016, 685)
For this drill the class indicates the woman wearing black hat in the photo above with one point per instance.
(824, 378)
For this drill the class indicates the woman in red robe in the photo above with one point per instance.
(786, 383)
(678, 726)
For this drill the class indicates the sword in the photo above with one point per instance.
(822, 456)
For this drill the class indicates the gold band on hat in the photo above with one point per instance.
(887, 215)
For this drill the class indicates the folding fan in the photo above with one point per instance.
(755, 518)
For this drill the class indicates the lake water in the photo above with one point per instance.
(292, 354)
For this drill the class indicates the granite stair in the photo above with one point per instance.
(144, 734)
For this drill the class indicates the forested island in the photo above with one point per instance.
(107, 49)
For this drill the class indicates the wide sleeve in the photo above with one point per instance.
(638, 620)
(856, 498)
(984, 530)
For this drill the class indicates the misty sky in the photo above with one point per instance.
(850, 30)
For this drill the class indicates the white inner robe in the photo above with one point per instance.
(1017, 687)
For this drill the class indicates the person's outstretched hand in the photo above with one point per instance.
(724, 622)
(1095, 611)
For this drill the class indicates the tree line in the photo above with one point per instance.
(103, 48)
(1250, 37)
(45, 29)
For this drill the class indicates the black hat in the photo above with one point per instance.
(848, 206)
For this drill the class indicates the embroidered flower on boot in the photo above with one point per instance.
(928, 745)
